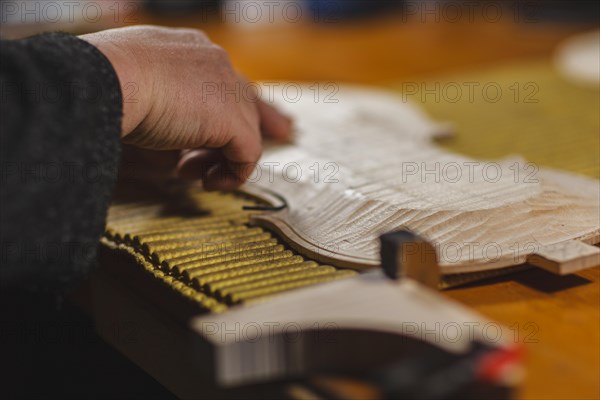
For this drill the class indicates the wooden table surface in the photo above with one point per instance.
(556, 319)
(376, 50)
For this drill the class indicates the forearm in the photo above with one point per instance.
(61, 121)
(134, 88)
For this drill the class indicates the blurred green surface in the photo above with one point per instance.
(538, 114)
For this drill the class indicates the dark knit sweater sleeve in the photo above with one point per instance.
(60, 125)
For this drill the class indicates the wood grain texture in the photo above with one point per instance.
(566, 257)
(366, 164)
(557, 319)
(561, 131)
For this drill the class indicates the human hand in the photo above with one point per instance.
(165, 77)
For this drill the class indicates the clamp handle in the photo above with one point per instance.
(407, 255)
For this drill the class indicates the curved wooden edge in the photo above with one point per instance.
(273, 222)
(575, 255)
(561, 258)
(311, 250)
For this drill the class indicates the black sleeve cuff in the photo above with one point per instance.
(61, 108)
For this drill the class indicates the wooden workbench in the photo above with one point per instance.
(557, 319)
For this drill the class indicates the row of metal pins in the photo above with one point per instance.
(215, 205)
(118, 228)
(227, 232)
(212, 252)
(269, 283)
(149, 211)
(186, 233)
(258, 271)
(194, 269)
(174, 232)
(162, 222)
(205, 275)
(261, 293)
(172, 244)
(234, 253)
(226, 282)
(211, 247)
(213, 257)
(191, 223)
(158, 226)
(206, 302)
(221, 289)
(209, 200)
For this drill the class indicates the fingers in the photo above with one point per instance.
(244, 148)
(194, 164)
(274, 125)
(213, 168)
(225, 167)
(190, 102)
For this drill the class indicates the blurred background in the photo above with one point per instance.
(361, 41)
(543, 104)
(489, 67)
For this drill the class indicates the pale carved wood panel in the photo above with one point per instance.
(364, 162)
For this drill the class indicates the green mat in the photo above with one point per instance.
(526, 109)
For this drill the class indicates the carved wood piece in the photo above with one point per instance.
(367, 165)
(566, 258)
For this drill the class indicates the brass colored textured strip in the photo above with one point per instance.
(233, 254)
(229, 232)
(194, 232)
(145, 222)
(229, 281)
(171, 229)
(152, 247)
(196, 268)
(209, 303)
(277, 280)
(215, 259)
(201, 277)
(192, 223)
(271, 290)
(206, 281)
(140, 225)
(213, 248)
(218, 253)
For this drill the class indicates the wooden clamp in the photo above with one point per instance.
(406, 255)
